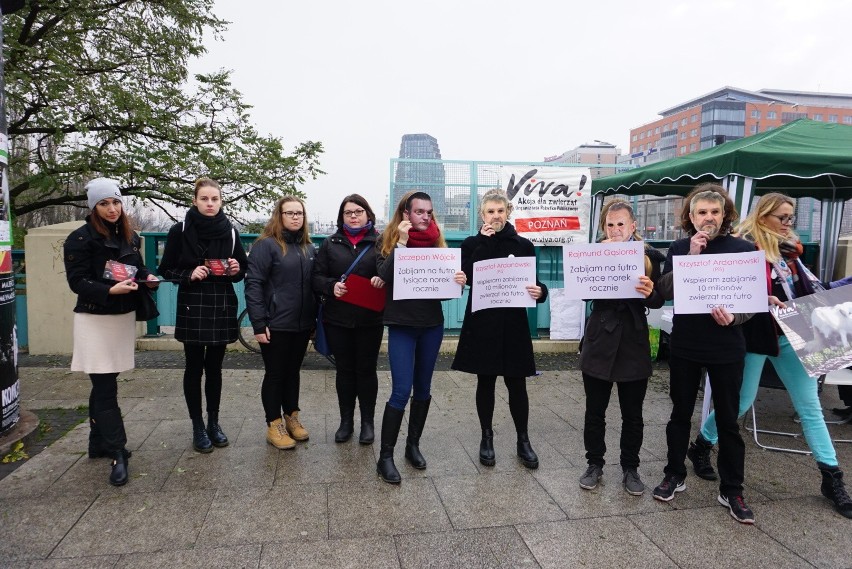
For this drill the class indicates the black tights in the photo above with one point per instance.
(207, 361)
(519, 403)
(104, 394)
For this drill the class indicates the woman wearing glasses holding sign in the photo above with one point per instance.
(105, 314)
(204, 255)
(283, 312)
(770, 227)
(496, 341)
(415, 332)
(352, 318)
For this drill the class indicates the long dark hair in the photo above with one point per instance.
(123, 224)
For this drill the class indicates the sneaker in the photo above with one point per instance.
(699, 455)
(738, 509)
(590, 478)
(670, 485)
(295, 427)
(633, 485)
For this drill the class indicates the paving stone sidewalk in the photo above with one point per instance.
(321, 504)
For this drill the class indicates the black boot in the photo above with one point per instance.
(834, 489)
(200, 441)
(115, 438)
(416, 421)
(486, 448)
(347, 424)
(214, 431)
(368, 433)
(699, 454)
(391, 422)
(525, 452)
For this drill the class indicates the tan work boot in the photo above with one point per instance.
(276, 435)
(295, 428)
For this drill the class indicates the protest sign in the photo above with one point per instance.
(735, 281)
(603, 270)
(502, 283)
(426, 273)
(819, 327)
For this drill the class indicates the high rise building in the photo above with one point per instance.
(428, 177)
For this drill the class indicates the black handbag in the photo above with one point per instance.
(146, 306)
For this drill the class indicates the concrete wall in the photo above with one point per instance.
(50, 303)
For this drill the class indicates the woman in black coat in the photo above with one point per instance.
(283, 312)
(354, 332)
(204, 254)
(496, 341)
(105, 314)
(616, 349)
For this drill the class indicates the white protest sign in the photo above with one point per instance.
(502, 283)
(603, 270)
(426, 273)
(736, 281)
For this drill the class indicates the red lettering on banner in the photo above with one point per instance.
(532, 224)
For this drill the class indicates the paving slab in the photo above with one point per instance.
(485, 548)
(242, 467)
(32, 526)
(205, 556)
(369, 553)
(88, 562)
(312, 462)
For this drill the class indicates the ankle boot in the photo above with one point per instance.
(200, 440)
(368, 432)
(525, 452)
(699, 454)
(391, 422)
(347, 424)
(834, 489)
(486, 448)
(214, 431)
(115, 439)
(416, 421)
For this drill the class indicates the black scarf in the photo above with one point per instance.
(206, 237)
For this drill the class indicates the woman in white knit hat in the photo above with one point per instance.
(103, 265)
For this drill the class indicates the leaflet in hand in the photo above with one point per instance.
(113, 270)
(218, 267)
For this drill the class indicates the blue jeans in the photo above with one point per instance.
(803, 393)
(412, 352)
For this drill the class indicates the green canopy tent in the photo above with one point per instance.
(804, 158)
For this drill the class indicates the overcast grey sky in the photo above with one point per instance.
(500, 80)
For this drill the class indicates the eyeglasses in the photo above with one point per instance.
(293, 214)
(353, 212)
(785, 219)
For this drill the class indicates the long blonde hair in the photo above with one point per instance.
(754, 227)
(275, 227)
(390, 236)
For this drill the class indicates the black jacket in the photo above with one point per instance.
(495, 341)
(420, 312)
(86, 253)
(278, 287)
(206, 309)
(333, 258)
(615, 345)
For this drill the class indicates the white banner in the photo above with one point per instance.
(551, 205)
(426, 273)
(502, 283)
(736, 281)
(603, 270)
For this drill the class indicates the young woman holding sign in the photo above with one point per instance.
(353, 330)
(204, 254)
(105, 315)
(616, 349)
(415, 332)
(770, 227)
(496, 341)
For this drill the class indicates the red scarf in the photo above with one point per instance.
(426, 238)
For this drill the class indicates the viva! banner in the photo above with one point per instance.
(551, 206)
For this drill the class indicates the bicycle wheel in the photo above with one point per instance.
(246, 335)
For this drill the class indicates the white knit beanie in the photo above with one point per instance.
(102, 188)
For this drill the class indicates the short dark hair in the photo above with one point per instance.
(361, 202)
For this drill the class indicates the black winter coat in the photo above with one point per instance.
(278, 287)
(495, 341)
(616, 346)
(86, 253)
(206, 309)
(333, 258)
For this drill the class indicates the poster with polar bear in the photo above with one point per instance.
(819, 327)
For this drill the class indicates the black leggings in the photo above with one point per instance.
(519, 403)
(282, 362)
(207, 361)
(104, 394)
